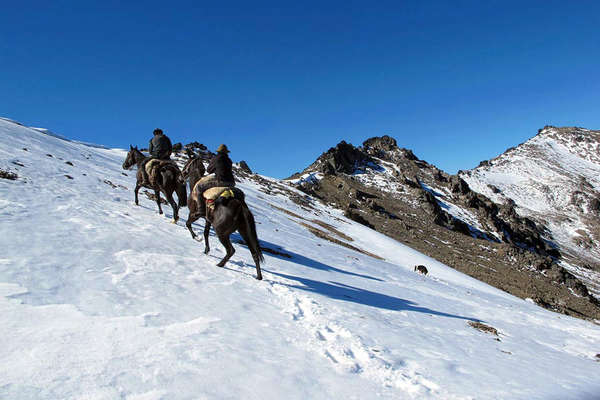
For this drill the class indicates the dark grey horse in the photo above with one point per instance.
(227, 216)
(168, 180)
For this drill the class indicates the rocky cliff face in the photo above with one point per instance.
(553, 179)
(391, 190)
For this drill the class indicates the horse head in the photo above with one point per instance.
(130, 160)
(193, 166)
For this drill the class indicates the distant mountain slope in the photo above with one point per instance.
(100, 299)
(391, 190)
(554, 179)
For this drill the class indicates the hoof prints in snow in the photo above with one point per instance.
(345, 350)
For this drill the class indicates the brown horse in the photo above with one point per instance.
(168, 180)
(193, 170)
(227, 216)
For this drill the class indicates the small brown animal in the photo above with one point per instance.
(421, 269)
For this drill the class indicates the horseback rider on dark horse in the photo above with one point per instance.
(160, 148)
(165, 174)
(221, 166)
(228, 210)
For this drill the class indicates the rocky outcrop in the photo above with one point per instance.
(391, 190)
(343, 158)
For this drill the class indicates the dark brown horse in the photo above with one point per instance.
(227, 216)
(193, 170)
(167, 180)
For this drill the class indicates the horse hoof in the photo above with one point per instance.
(259, 278)
(220, 265)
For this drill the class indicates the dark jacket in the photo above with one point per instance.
(160, 147)
(221, 166)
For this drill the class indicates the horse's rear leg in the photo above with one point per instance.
(174, 206)
(228, 246)
(206, 232)
(157, 195)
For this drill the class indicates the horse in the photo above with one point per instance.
(227, 216)
(193, 170)
(167, 180)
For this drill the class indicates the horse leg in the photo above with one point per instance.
(226, 242)
(157, 195)
(137, 188)
(246, 236)
(174, 206)
(191, 219)
(206, 232)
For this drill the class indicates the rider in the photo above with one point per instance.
(221, 166)
(160, 148)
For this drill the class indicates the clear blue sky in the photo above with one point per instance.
(457, 82)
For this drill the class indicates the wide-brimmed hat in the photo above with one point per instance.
(222, 149)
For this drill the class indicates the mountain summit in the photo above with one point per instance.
(391, 190)
(554, 180)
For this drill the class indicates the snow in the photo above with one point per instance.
(100, 299)
(542, 176)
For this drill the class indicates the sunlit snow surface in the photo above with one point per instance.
(100, 299)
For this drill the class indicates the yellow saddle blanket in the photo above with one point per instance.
(211, 194)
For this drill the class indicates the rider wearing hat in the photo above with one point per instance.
(221, 166)
(160, 148)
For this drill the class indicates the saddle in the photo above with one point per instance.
(212, 194)
(154, 166)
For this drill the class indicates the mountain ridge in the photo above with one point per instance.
(390, 189)
(102, 299)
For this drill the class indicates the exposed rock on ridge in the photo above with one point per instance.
(391, 190)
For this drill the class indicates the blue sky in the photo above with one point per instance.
(457, 82)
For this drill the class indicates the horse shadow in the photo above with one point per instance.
(284, 254)
(353, 294)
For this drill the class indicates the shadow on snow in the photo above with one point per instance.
(340, 291)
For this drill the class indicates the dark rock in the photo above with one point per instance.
(379, 146)
(595, 205)
(343, 158)
(354, 216)
(69, 163)
(414, 183)
(244, 167)
(68, 176)
(458, 185)
(8, 175)
(177, 147)
(495, 189)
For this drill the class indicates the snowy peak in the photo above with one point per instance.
(391, 190)
(554, 179)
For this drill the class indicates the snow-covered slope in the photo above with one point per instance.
(553, 178)
(100, 299)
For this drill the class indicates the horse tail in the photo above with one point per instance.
(253, 244)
